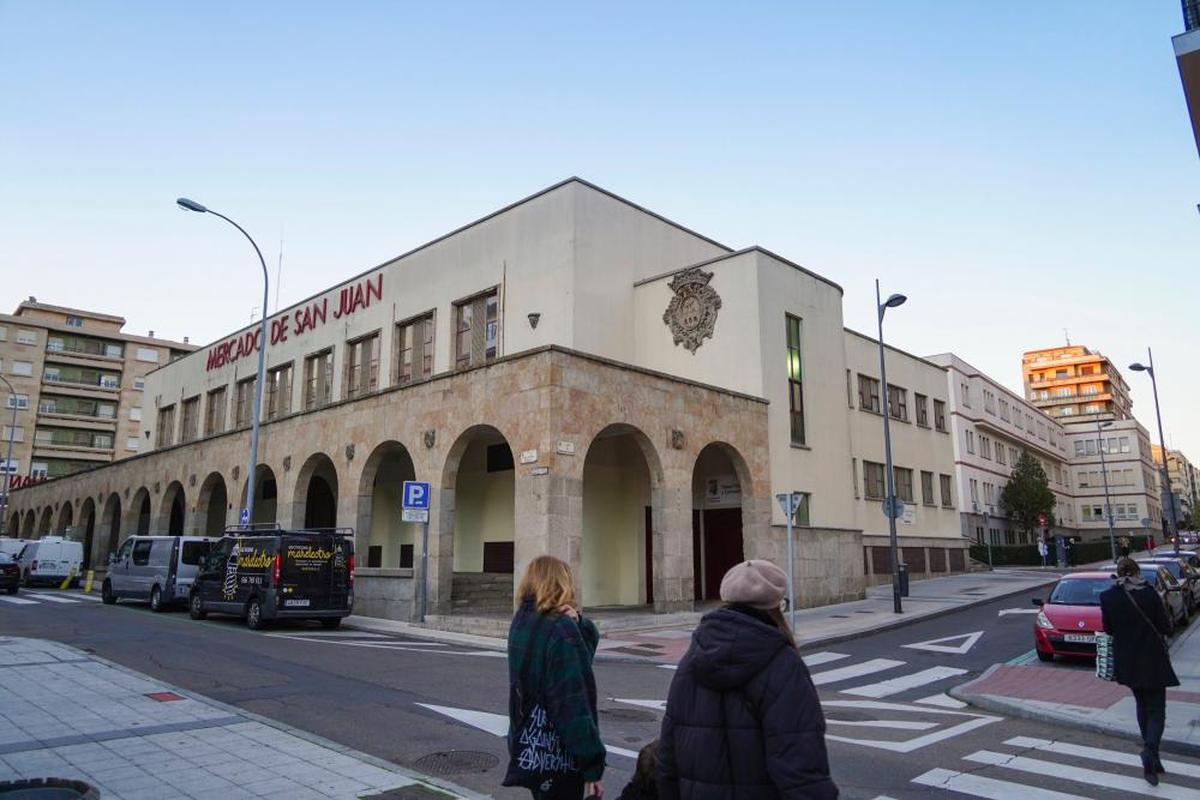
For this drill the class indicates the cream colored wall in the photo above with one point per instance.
(616, 491)
(483, 508)
(913, 446)
(387, 531)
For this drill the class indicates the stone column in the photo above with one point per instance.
(671, 510)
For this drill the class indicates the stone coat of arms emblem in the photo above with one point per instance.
(692, 312)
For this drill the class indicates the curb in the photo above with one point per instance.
(1013, 708)
(446, 786)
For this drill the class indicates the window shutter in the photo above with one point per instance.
(478, 329)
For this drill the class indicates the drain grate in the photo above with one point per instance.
(629, 714)
(456, 762)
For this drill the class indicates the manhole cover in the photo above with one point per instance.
(456, 762)
(629, 714)
(414, 792)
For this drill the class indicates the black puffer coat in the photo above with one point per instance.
(1139, 659)
(743, 719)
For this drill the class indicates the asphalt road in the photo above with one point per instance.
(892, 731)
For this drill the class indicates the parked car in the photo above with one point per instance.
(276, 575)
(10, 574)
(1170, 590)
(50, 560)
(1070, 616)
(155, 568)
(11, 546)
(1185, 574)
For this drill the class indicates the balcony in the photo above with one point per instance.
(79, 359)
(89, 422)
(81, 388)
(77, 452)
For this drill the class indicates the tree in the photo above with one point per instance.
(1027, 494)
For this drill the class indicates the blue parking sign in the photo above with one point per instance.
(415, 495)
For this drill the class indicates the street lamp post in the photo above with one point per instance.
(1168, 520)
(192, 205)
(1112, 539)
(12, 430)
(889, 505)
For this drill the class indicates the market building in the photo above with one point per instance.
(574, 375)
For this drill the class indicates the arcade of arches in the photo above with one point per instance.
(649, 500)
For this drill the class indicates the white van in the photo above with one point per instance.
(13, 546)
(50, 560)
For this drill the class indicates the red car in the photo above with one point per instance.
(1070, 618)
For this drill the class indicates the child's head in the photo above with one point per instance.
(647, 762)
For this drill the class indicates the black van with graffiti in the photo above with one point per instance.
(267, 575)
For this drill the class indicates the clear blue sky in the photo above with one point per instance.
(1014, 167)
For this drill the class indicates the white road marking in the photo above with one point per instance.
(621, 751)
(657, 705)
(497, 724)
(53, 598)
(1004, 612)
(893, 724)
(343, 634)
(668, 666)
(854, 671)
(1092, 777)
(936, 646)
(879, 705)
(910, 745)
(18, 601)
(85, 596)
(979, 786)
(944, 700)
(409, 647)
(817, 659)
(904, 682)
(1100, 754)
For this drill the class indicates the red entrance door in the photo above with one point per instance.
(722, 546)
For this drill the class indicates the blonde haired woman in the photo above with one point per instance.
(554, 736)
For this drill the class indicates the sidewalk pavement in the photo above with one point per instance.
(1068, 693)
(821, 626)
(68, 714)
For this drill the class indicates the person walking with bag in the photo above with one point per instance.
(1133, 615)
(743, 719)
(554, 737)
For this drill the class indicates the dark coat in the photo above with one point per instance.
(1139, 660)
(743, 718)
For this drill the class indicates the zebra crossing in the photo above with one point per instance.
(37, 597)
(380, 642)
(889, 686)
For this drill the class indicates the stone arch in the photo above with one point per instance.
(172, 510)
(87, 526)
(477, 521)
(29, 530)
(721, 486)
(266, 496)
(385, 540)
(139, 513)
(315, 501)
(14, 525)
(110, 525)
(66, 518)
(621, 497)
(212, 506)
(46, 522)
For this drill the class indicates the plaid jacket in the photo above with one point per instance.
(560, 678)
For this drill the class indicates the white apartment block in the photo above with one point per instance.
(1132, 482)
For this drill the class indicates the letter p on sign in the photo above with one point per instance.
(416, 495)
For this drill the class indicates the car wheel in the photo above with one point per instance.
(331, 622)
(156, 600)
(196, 607)
(11, 590)
(254, 620)
(1044, 656)
(106, 594)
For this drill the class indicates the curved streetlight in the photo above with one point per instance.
(12, 430)
(1169, 523)
(192, 205)
(889, 505)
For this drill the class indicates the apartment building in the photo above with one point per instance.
(991, 426)
(1121, 453)
(78, 382)
(1074, 383)
(1185, 483)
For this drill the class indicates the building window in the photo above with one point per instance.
(939, 415)
(999, 453)
(135, 414)
(904, 483)
(74, 322)
(243, 403)
(947, 500)
(133, 443)
(868, 394)
(969, 439)
(795, 379)
(21, 368)
(10, 433)
(3, 334)
(927, 488)
(362, 365)
(12, 466)
(922, 404)
(139, 384)
(26, 337)
(18, 401)
(214, 412)
(190, 419)
(279, 391)
(973, 485)
(873, 484)
(414, 349)
(166, 426)
(39, 469)
(897, 402)
(476, 330)
(318, 380)
(966, 394)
